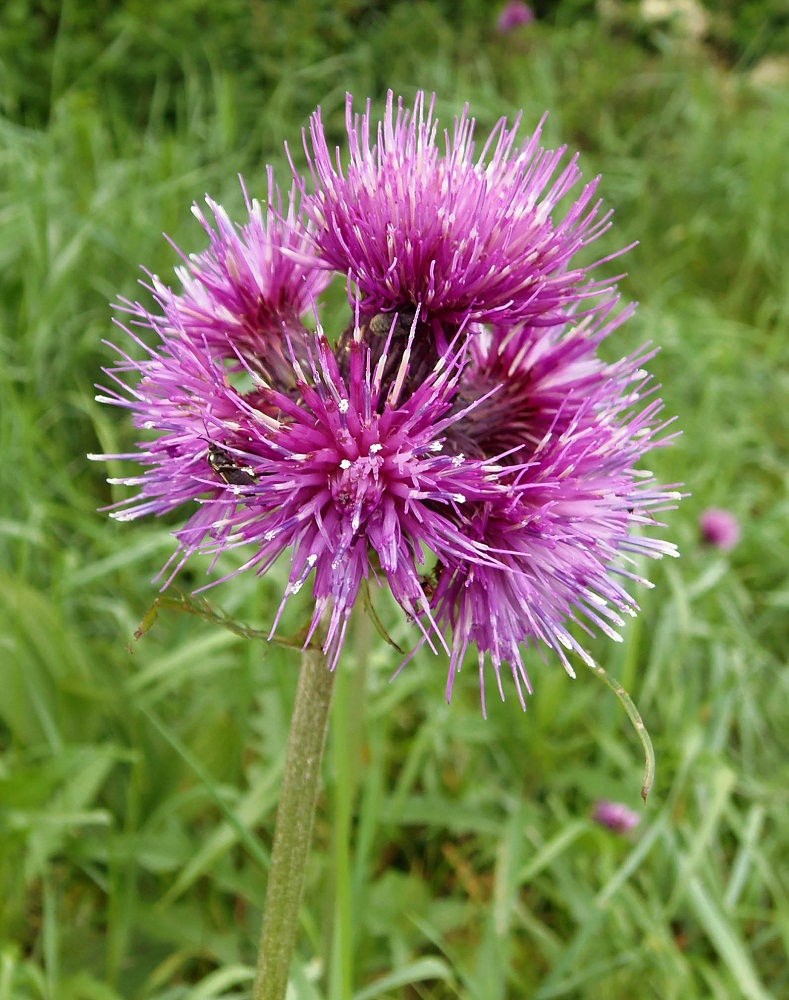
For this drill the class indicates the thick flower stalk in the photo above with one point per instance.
(460, 441)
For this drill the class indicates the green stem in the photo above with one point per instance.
(638, 724)
(293, 831)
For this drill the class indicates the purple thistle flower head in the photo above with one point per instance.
(460, 441)
(720, 528)
(616, 816)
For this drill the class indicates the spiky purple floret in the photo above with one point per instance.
(416, 220)
(247, 293)
(541, 376)
(354, 485)
(564, 535)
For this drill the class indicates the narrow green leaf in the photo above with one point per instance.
(424, 970)
(730, 947)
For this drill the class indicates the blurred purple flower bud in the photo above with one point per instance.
(513, 15)
(616, 816)
(720, 528)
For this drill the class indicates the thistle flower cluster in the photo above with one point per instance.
(460, 440)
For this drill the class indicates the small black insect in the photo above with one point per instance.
(224, 465)
(381, 324)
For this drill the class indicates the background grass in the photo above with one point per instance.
(454, 857)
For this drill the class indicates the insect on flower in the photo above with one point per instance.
(226, 467)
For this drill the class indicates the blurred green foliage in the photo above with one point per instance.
(130, 53)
